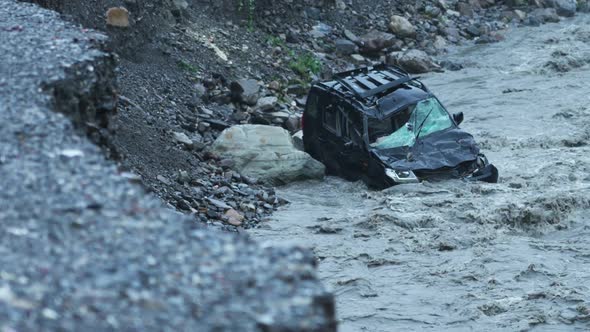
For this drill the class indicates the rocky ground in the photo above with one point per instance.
(189, 69)
(85, 249)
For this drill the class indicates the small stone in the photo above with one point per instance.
(219, 204)
(267, 103)
(320, 30)
(401, 27)
(118, 17)
(182, 138)
(274, 85)
(71, 153)
(358, 58)
(163, 179)
(345, 47)
(180, 4)
(234, 218)
(50, 314)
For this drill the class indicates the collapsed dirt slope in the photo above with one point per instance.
(457, 256)
(84, 249)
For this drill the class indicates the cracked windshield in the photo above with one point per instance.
(426, 117)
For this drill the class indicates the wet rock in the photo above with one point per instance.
(233, 217)
(375, 41)
(163, 180)
(465, 9)
(118, 17)
(401, 27)
(267, 103)
(245, 91)
(313, 13)
(180, 5)
(565, 8)
(439, 43)
(414, 61)
(345, 47)
(320, 30)
(182, 138)
(351, 36)
(298, 140)
(218, 204)
(266, 153)
(543, 15)
(293, 123)
(358, 58)
(521, 15)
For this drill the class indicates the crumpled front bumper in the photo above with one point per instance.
(488, 174)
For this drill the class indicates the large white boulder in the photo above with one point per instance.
(266, 153)
(401, 27)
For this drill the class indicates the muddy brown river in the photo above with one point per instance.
(457, 256)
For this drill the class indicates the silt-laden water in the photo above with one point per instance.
(457, 256)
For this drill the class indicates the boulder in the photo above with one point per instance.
(266, 153)
(401, 27)
(544, 15)
(267, 104)
(245, 91)
(375, 41)
(414, 61)
(345, 47)
(565, 8)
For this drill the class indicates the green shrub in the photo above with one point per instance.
(305, 64)
(250, 7)
(275, 41)
(188, 67)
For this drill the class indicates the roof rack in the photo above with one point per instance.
(367, 82)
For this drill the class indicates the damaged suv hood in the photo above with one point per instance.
(445, 149)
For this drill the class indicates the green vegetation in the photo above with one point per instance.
(250, 7)
(275, 41)
(305, 64)
(188, 67)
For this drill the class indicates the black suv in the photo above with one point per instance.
(383, 126)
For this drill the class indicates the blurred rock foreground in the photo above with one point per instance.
(82, 248)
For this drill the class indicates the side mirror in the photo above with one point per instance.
(458, 117)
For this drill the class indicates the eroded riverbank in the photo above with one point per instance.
(471, 256)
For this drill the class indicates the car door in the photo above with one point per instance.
(352, 155)
(330, 139)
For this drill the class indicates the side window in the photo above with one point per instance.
(312, 104)
(355, 127)
(331, 122)
(344, 123)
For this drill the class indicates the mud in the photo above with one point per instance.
(459, 256)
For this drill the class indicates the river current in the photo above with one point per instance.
(458, 256)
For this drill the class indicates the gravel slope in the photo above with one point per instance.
(84, 249)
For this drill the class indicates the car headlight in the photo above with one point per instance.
(401, 176)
